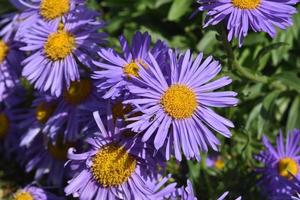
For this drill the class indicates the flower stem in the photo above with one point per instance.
(246, 73)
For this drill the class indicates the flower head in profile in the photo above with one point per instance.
(281, 166)
(112, 168)
(240, 16)
(115, 71)
(31, 192)
(175, 105)
(57, 51)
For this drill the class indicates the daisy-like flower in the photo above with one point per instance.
(57, 51)
(52, 11)
(241, 15)
(176, 105)
(34, 121)
(31, 192)
(47, 159)
(116, 70)
(112, 168)
(10, 65)
(73, 115)
(10, 117)
(215, 160)
(281, 166)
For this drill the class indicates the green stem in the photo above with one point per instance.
(206, 178)
(232, 62)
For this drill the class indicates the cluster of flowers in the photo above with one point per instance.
(108, 121)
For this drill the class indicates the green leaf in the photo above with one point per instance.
(290, 79)
(294, 115)
(178, 9)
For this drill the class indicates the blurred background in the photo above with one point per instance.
(269, 90)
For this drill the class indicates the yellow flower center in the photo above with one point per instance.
(59, 45)
(23, 196)
(78, 91)
(112, 166)
(287, 167)
(44, 111)
(4, 125)
(246, 4)
(59, 151)
(119, 110)
(179, 101)
(51, 9)
(219, 164)
(3, 50)
(132, 69)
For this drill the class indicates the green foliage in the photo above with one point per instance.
(266, 74)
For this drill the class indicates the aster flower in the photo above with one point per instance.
(57, 51)
(35, 193)
(215, 160)
(112, 168)
(47, 159)
(175, 106)
(34, 121)
(10, 65)
(115, 71)
(73, 115)
(52, 11)
(281, 166)
(10, 117)
(242, 15)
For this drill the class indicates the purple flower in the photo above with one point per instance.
(242, 15)
(56, 50)
(281, 166)
(34, 193)
(10, 65)
(215, 160)
(112, 168)
(34, 121)
(176, 105)
(116, 70)
(73, 115)
(10, 118)
(52, 11)
(47, 159)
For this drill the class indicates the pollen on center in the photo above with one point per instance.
(3, 50)
(23, 196)
(246, 4)
(59, 45)
(44, 111)
(288, 167)
(112, 165)
(179, 101)
(78, 92)
(59, 150)
(51, 9)
(131, 69)
(4, 125)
